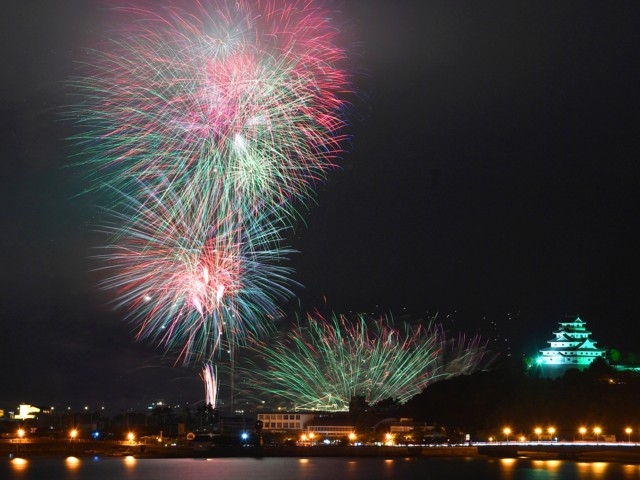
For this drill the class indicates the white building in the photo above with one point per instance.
(284, 421)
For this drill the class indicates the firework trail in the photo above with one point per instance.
(323, 363)
(462, 355)
(243, 92)
(187, 278)
(210, 384)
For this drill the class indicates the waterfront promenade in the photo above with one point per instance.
(578, 451)
(152, 450)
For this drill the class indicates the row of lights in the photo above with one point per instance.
(551, 431)
(309, 438)
(73, 434)
(304, 438)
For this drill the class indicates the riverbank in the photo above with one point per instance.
(620, 453)
(360, 451)
(49, 447)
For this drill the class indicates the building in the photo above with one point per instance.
(284, 421)
(332, 427)
(572, 347)
(313, 427)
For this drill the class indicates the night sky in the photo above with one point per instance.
(492, 178)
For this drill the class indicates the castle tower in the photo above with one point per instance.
(571, 348)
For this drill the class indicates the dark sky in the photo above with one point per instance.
(493, 178)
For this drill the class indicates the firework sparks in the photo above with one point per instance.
(322, 363)
(208, 121)
(186, 280)
(247, 93)
(462, 355)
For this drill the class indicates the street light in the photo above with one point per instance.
(21, 434)
(130, 437)
(72, 436)
(538, 431)
(551, 431)
(352, 437)
(507, 432)
(628, 432)
(582, 431)
(597, 431)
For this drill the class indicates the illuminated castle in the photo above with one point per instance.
(572, 348)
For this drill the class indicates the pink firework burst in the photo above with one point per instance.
(250, 92)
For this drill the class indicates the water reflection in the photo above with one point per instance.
(19, 464)
(631, 471)
(109, 468)
(599, 468)
(594, 470)
(507, 467)
(548, 465)
(72, 463)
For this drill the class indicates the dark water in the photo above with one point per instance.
(311, 468)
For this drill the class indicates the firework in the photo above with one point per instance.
(244, 93)
(210, 384)
(323, 363)
(462, 355)
(187, 274)
(209, 122)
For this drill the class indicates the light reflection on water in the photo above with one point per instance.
(631, 470)
(19, 464)
(550, 466)
(72, 463)
(96, 468)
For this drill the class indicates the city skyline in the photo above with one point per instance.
(491, 178)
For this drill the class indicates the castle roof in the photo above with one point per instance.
(576, 348)
(574, 338)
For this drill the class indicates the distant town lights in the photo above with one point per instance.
(26, 411)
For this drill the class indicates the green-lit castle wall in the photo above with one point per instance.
(572, 347)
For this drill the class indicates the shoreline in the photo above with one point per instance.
(107, 449)
(141, 451)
